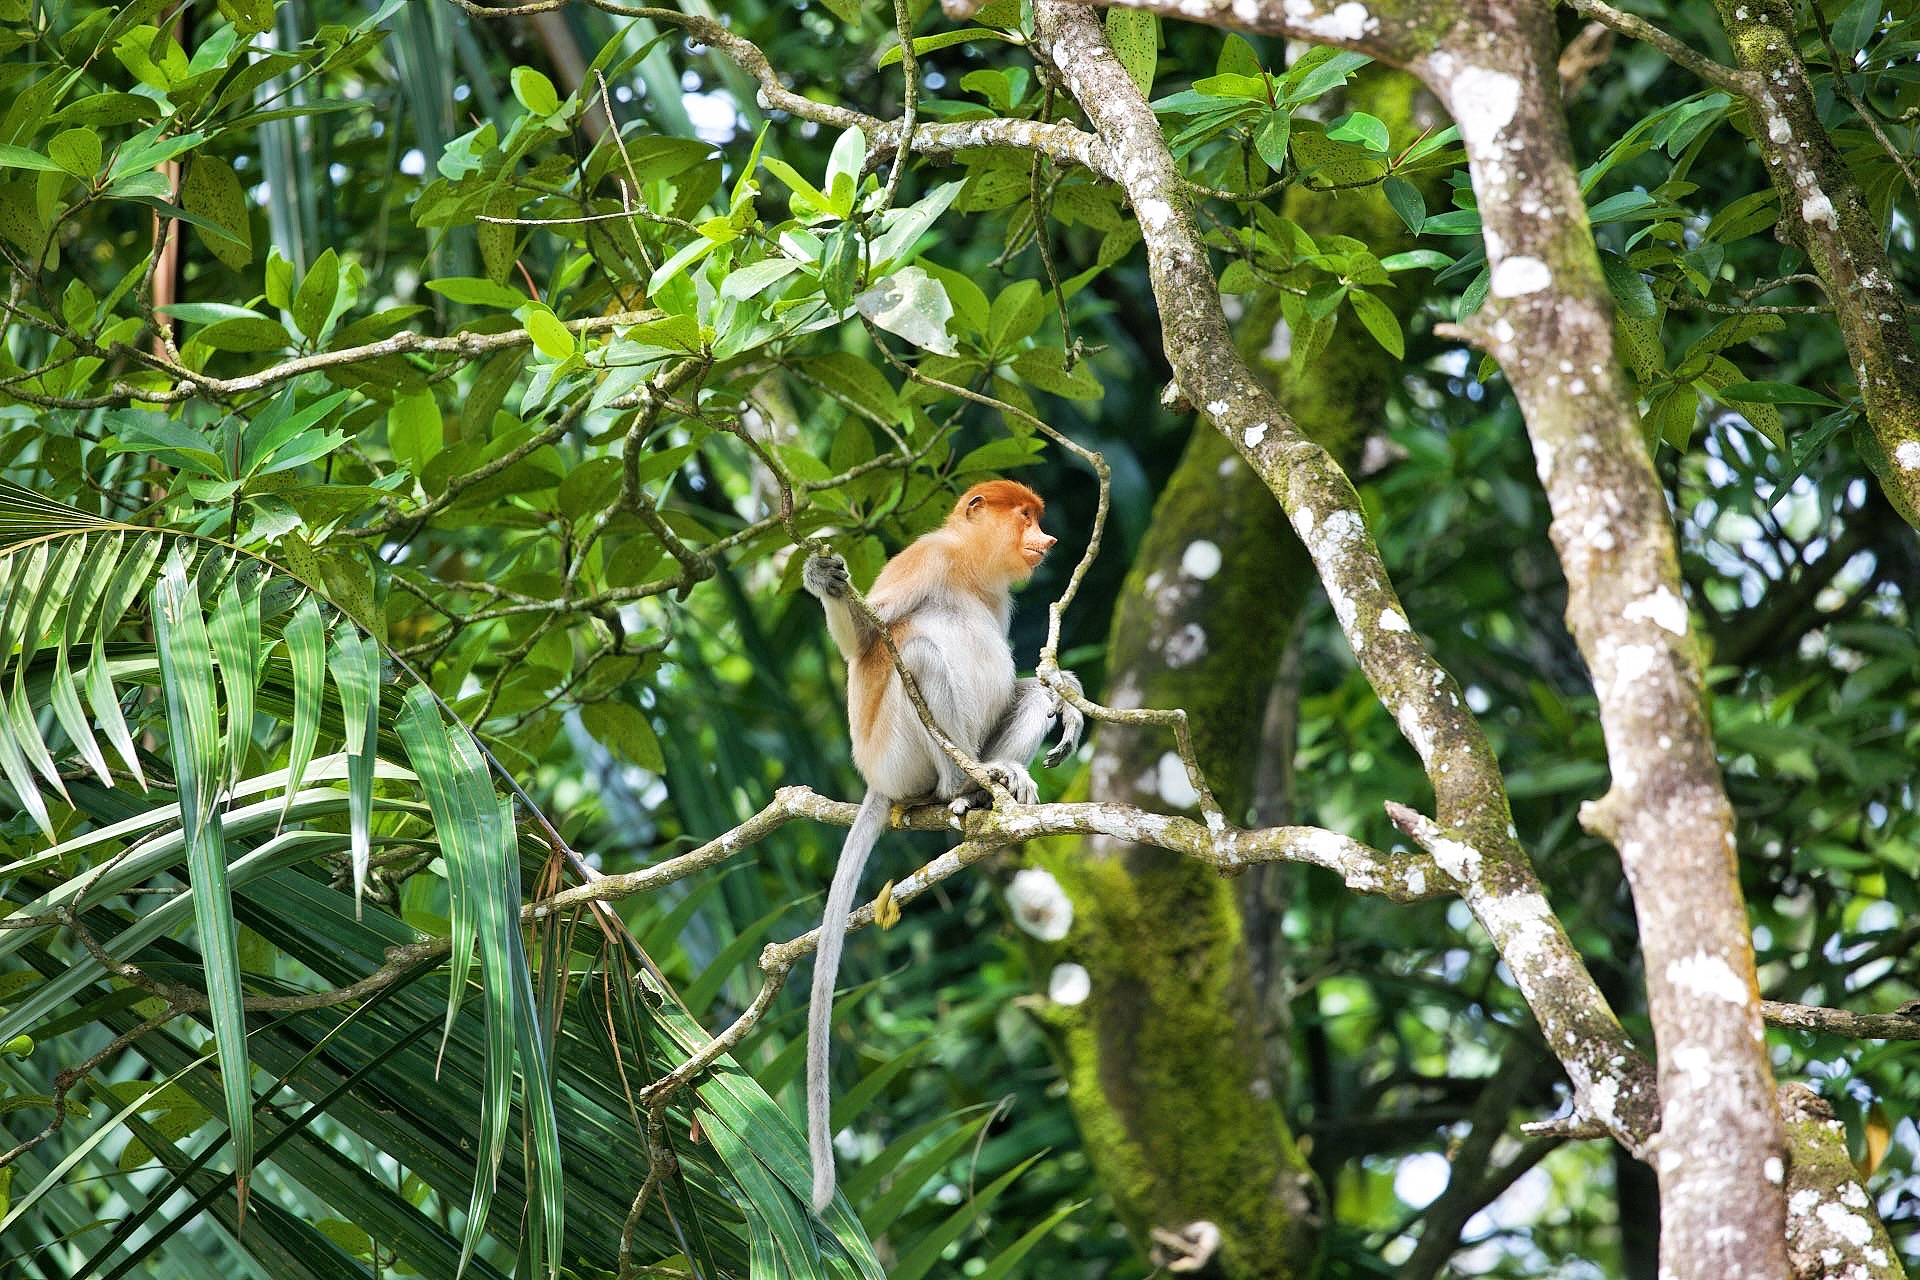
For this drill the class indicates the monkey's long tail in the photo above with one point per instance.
(866, 829)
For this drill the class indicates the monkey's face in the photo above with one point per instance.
(1035, 542)
(1002, 520)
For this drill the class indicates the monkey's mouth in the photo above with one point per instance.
(1033, 556)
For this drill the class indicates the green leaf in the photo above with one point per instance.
(1379, 321)
(927, 1250)
(550, 337)
(1317, 70)
(624, 729)
(12, 157)
(414, 429)
(187, 681)
(77, 151)
(355, 663)
(1271, 141)
(212, 191)
(235, 630)
(914, 1174)
(1009, 1258)
(1360, 129)
(1406, 200)
(313, 303)
(1135, 37)
(473, 291)
(1237, 57)
(244, 334)
(1414, 259)
(1857, 24)
(752, 280)
(814, 198)
(1631, 292)
(535, 92)
(939, 40)
(306, 637)
(1776, 393)
(843, 169)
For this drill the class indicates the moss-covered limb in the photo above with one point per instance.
(1549, 321)
(1833, 1230)
(1165, 1060)
(1823, 206)
(1325, 511)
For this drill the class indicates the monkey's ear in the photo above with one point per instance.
(973, 504)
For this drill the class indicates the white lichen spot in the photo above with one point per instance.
(1779, 130)
(1155, 214)
(1660, 607)
(1696, 1062)
(1907, 455)
(1186, 646)
(1173, 784)
(1348, 21)
(1705, 974)
(1255, 434)
(1483, 102)
(1520, 275)
(1849, 1226)
(1802, 1202)
(1817, 208)
(1503, 331)
(1039, 905)
(1200, 560)
(1457, 858)
(1417, 881)
(1390, 620)
(1602, 1100)
(1853, 1196)
(1069, 984)
(1216, 407)
(1632, 662)
(1774, 1170)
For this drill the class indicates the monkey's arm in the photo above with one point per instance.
(825, 577)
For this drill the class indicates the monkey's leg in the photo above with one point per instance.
(1012, 743)
(1024, 727)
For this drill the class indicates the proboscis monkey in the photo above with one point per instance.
(946, 601)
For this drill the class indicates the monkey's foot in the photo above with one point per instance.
(1012, 775)
(825, 575)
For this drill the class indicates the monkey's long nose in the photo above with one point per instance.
(1046, 543)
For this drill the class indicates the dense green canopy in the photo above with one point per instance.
(415, 422)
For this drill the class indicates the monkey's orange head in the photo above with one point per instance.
(1001, 519)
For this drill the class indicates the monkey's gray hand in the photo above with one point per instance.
(1071, 721)
(825, 575)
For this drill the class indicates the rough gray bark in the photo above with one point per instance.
(1549, 322)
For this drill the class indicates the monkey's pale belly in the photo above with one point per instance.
(901, 759)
